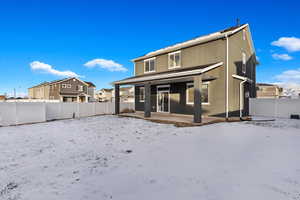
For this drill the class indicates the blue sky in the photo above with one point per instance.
(65, 35)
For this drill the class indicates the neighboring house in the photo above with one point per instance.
(265, 90)
(211, 75)
(104, 95)
(91, 91)
(65, 90)
(108, 95)
(126, 94)
(2, 97)
(40, 91)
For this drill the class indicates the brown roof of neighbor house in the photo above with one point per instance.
(107, 90)
(43, 83)
(56, 81)
(90, 84)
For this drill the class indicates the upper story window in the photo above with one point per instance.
(149, 65)
(244, 62)
(244, 34)
(80, 88)
(66, 86)
(190, 93)
(174, 59)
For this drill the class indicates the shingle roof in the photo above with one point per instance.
(90, 84)
(194, 41)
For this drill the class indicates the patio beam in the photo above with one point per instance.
(197, 99)
(147, 104)
(117, 99)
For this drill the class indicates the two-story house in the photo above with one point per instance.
(65, 90)
(266, 90)
(211, 75)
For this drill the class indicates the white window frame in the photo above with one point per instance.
(244, 34)
(187, 95)
(244, 62)
(63, 85)
(80, 88)
(140, 99)
(169, 60)
(148, 60)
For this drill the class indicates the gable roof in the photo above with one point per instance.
(66, 79)
(41, 84)
(90, 84)
(195, 41)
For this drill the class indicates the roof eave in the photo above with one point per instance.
(208, 39)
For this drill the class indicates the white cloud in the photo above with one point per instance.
(291, 44)
(282, 56)
(43, 67)
(289, 76)
(105, 64)
(290, 81)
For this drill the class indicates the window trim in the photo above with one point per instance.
(244, 35)
(173, 53)
(141, 100)
(82, 89)
(244, 66)
(148, 60)
(192, 103)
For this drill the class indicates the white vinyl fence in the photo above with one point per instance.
(14, 113)
(282, 108)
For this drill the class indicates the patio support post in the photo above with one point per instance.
(197, 99)
(117, 99)
(147, 104)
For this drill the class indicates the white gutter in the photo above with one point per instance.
(243, 80)
(241, 97)
(227, 76)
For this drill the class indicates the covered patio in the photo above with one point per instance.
(195, 75)
(171, 118)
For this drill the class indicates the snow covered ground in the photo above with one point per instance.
(109, 157)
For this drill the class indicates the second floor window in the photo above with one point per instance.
(80, 88)
(174, 59)
(244, 62)
(66, 86)
(149, 65)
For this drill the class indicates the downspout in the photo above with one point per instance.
(241, 98)
(227, 74)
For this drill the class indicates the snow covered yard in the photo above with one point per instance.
(109, 157)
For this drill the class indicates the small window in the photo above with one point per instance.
(244, 34)
(149, 65)
(190, 93)
(69, 86)
(142, 94)
(80, 88)
(244, 62)
(174, 59)
(63, 86)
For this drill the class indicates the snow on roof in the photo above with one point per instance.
(197, 40)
